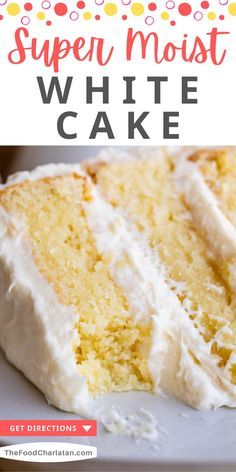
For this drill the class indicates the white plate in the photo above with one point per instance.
(201, 439)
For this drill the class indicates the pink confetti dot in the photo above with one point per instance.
(25, 20)
(198, 15)
(46, 5)
(185, 9)
(170, 5)
(149, 20)
(74, 15)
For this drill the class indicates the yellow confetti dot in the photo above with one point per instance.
(87, 15)
(211, 15)
(137, 9)
(165, 15)
(232, 9)
(110, 9)
(13, 9)
(40, 15)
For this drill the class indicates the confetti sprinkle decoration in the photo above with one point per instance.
(232, 9)
(13, 9)
(185, 9)
(41, 15)
(110, 9)
(87, 15)
(28, 6)
(60, 9)
(165, 15)
(146, 12)
(205, 5)
(211, 15)
(137, 9)
(152, 6)
(81, 5)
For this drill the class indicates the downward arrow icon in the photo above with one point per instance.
(86, 427)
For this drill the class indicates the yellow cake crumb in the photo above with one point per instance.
(110, 354)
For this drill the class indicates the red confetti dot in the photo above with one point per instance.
(172, 23)
(152, 6)
(124, 17)
(28, 6)
(1, 17)
(97, 17)
(80, 4)
(221, 17)
(48, 23)
(185, 9)
(60, 9)
(205, 5)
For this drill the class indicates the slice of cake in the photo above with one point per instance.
(79, 298)
(200, 361)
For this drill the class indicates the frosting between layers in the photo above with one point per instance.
(174, 335)
(219, 231)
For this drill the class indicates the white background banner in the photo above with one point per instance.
(25, 119)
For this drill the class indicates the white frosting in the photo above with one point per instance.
(38, 333)
(219, 231)
(111, 155)
(40, 172)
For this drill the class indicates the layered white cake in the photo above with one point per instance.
(110, 280)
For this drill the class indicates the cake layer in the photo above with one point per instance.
(201, 370)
